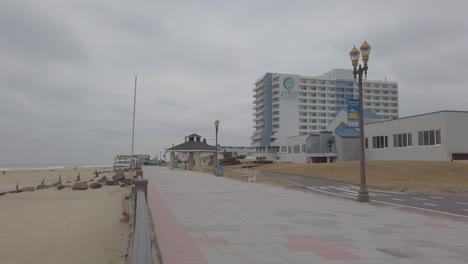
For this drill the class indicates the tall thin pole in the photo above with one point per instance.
(134, 104)
(363, 195)
(216, 153)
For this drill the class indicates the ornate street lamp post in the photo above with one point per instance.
(363, 195)
(216, 151)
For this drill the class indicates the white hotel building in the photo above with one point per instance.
(286, 105)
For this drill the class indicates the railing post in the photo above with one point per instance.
(139, 173)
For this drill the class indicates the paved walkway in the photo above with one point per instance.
(200, 219)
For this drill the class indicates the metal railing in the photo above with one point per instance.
(141, 251)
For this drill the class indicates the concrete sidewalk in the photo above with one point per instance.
(200, 218)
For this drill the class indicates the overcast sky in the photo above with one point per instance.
(67, 67)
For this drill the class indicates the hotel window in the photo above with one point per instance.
(283, 148)
(303, 148)
(289, 149)
(380, 142)
(402, 140)
(429, 138)
(366, 141)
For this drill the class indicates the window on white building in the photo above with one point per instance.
(341, 126)
(380, 142)
(296, 149)
(429, 138)
(283, 148)
(303, 148)
(402, 140)
(289, 149)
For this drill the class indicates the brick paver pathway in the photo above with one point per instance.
(200, 219)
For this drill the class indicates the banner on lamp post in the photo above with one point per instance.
(353, 112)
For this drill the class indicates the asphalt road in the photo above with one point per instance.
(446, 203)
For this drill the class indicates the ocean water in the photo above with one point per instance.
(35, 166)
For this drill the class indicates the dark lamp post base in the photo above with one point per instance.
(363, 196)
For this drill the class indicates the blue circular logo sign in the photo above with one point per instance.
(288, 83)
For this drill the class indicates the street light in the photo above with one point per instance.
(216, 153)
(363, 195)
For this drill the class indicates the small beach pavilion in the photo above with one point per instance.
(195, 147)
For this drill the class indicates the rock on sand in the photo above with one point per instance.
(28, 189)
(80, 186)
(95, 185)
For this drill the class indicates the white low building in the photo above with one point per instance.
(438, 136)
(237, 151)
(121, 161)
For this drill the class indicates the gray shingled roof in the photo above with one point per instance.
(193, 145)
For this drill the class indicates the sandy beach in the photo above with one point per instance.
(61, 226)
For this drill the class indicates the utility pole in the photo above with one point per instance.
(134, 104)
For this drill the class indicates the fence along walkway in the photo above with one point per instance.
(141, 252)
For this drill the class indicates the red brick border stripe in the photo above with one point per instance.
(174, 243)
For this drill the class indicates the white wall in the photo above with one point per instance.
(289, 110)
(347, 148)
(342, 116)
(453, 127)
(457, 132)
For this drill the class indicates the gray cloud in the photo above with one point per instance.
(67, 68)
(31, 34)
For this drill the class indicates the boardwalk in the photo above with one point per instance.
(200, 218)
